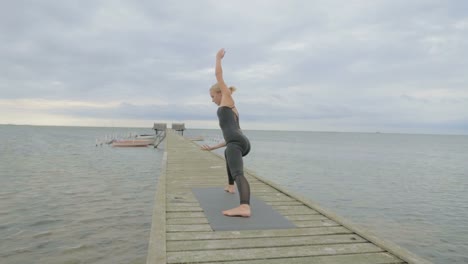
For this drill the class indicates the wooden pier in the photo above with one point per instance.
(180, 231)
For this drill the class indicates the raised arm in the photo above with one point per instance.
(226, 99)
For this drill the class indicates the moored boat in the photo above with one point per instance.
(133, 143)
(146, 137)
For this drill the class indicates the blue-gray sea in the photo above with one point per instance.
(65, 200)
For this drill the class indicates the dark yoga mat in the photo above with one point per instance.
(215, 200)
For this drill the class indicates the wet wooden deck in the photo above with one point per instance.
(181, 233)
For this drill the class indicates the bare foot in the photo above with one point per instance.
(242, 210)
(230, 189)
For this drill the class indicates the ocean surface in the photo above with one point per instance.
(65, 200)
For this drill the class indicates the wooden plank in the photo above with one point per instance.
(274, 198)
(292, 207)
(297, 212)
(184, 214)
(171, 209)
(258, 233)
(305, 217)
(157, 241)
(184, 200)
(179, 195)
(316, 223)
(188, 228)
(294, 210)
(182, 204)
(265, 253)
(177, 183)
(184, 221)
(188, 186)
(364, 258)
(254, 183)
(277, 195)
(187, 169)
(263, 189)
(262, 242)
(273, 203)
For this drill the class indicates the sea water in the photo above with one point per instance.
(65, 200)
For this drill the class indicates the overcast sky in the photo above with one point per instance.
(388, 66)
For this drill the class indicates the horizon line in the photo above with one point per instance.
(275, 130)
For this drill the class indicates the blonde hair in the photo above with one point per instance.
(215, 88)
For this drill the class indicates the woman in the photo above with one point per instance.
(237, 144)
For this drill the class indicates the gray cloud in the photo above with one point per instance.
(309, 61)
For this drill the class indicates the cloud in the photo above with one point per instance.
(307, 65)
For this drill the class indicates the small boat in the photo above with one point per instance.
(146, 137)
(133, 143)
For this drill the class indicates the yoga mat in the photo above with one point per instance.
(215, 200)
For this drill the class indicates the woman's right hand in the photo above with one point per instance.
(206, 147)
(220, 54)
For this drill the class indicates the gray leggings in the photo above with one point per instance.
(235, 169)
